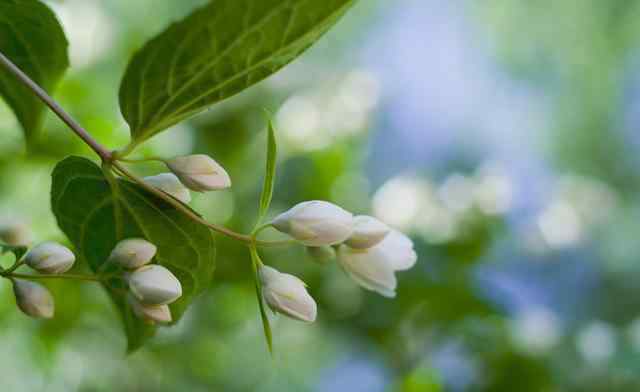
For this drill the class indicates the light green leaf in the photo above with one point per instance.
(31, 37)
(216, 52)
(270, 173)
(96, 215)
(266, 326)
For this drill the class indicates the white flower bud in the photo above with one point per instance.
(50, 258)
(199, 173)
(367, 232)
(170, 184)
(286, 294)
(321, 254)
(150, 313)
(15, 233)
(316, 223)
(133, 253)
(33, 299)
(374, 268)
(154, 285)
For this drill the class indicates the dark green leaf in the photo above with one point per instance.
(31, 37)
(266, 326)
(216, 52)
(270, 173)
(96, 215)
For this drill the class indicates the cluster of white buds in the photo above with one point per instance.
(152, 287)
(47, 258)
(367, 249)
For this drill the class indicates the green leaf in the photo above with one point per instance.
(266, 326)
(270, 173)
(216, 52)
(96, 215)
(31, 37)
(18, 251)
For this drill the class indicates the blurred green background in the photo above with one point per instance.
(501, 135)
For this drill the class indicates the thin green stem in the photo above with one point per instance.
(129, 148)
(116, 156)
(104, 154)
(258, 229)
(108, 157)
(247, 239)
(87, 278)
(255, 256)
(14, 267)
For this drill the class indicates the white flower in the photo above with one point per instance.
(132, 253)
(316, 223)
(150, 313)
(154, 285)
(33, 299)
(374, 268)
(50, 258)
(367, 232)
(321, 254)
(286, 294)
(199, 173)
(15, 233)
(170, 184)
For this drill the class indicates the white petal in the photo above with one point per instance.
(369, 268)
(133, 253)
(287, 294)
(150, 313)
(316, 223)
(398, 250)
(50, 258)
(154, 285)
(33, 299)
(367, 232)
(199, 172)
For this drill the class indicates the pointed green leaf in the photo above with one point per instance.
(270, 173)
(96, 215)
(31, 37)
(216, 52)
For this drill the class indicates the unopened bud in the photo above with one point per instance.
(286, 294)
(150, 313)
(316, 223)
(170, 184)
(154, 285)
(199, 173)
(50, 258)
(133, 253)
(33, 299)
(367, 232)
(321, 254)
(15, 233)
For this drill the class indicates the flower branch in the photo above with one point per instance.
(104, 154)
